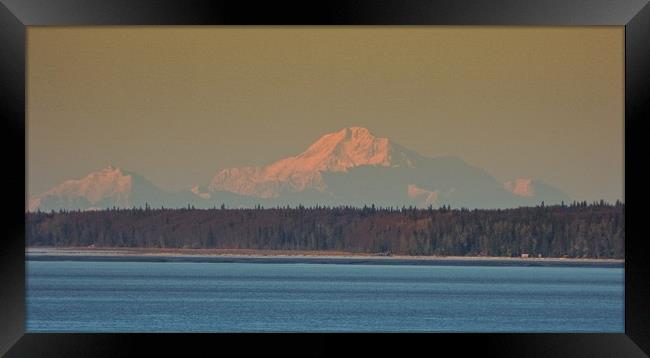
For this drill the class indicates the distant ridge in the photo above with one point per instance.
(347, 167)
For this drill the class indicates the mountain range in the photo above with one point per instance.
(348, 167)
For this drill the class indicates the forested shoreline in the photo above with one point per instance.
(578, 230)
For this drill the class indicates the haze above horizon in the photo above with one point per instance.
(179, 104)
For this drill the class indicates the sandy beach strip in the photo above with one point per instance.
(306, 256)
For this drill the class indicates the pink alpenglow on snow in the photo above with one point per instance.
(334, 152)
(108, 182)
(521, 187)
(349, 167)
(196, 190)
(427, 197)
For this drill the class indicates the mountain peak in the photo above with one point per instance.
(333, 152)
(94, 187)
(110, 169)
(349, 166)
(356, 132)
(347, 148)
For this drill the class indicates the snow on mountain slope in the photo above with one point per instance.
(105, 188)
(534, 191)
(521, 187)
(109, 182)
(334, 152)
(348, 167)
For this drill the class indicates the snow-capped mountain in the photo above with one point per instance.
(334, 152)
(106, 188)
(354, 167)
(347, 167)
(86, 192)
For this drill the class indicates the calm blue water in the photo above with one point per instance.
(83, 296)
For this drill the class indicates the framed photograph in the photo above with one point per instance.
(394, 176)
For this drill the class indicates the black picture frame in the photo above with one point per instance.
(16, 15)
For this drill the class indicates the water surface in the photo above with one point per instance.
(92, 296)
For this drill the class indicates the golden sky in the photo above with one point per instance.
(176, 104)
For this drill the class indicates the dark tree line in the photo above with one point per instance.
(578, 230)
